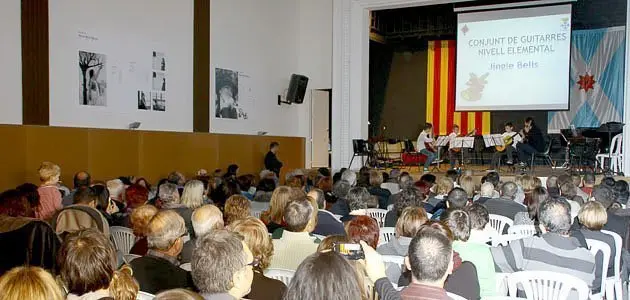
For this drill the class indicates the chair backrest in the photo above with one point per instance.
(255, 213)
(337, 217)
(123, 238)
(599, 246)
(127, 258)
(390, 207)
(319, 236)
(386, 234)
(144, 296)
(393, 259)
(499, 222)
(543, 285)
(429, 215)
(505, 239)
(186, 267)
(616, 145)
(378, 214)
(280, 274)
(617, 258)
(392, 187)
(454, 296)
(525, 230)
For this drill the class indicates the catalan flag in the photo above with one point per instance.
(441, 94)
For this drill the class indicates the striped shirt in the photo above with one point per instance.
(550, 252)
(49, 202)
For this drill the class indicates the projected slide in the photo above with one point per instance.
(514, 59)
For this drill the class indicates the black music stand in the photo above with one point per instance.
(360, 148)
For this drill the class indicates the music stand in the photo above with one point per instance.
(462, 142)
(360, 148)
(442, 141)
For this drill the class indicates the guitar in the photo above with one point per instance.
(507, 142)
(471, 133)
(430, 145)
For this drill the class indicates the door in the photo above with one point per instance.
(320, 141)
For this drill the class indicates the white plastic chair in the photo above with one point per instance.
(390, 207)
(280, 274)
(499, 222)
(429, 216)
(337, 217)
(393, 259)
(386, 234)
(392, 187)
(505, 239)
(614, 155)
(524, 230)
(454, 296)
(319, 236)
(501, 283)
(543, 285)
(500, 298)
(123, 238)
(599, 246)
(255, 213)
(127, 258)
(613, 283)
(378, 214)
(144, 296)
(186, 238)
(186, 267)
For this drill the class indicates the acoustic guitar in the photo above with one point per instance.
(471, 133)
(507, 142)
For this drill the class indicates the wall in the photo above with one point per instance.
(404, 111)
(11, 62)
(127, 32)
(108, 154)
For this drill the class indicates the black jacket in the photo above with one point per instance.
(27, 241)
(536, 139)
(272, 163)
(156, 274)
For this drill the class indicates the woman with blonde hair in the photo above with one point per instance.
(443, 186)
(178, 294)
(140, 218)
(592, 218)
(274, 217)
(259, 242)
(327, 245)
(49, 195)
(236, 207)
(192, 197)
(23, 283)
(467, 183)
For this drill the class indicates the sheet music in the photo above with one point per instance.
(492, 140)
(442, 141)
(462, 142)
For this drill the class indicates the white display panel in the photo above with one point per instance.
(515, 59)
(11, 62)
(116, 62)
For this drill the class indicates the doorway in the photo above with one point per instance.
(320, 128)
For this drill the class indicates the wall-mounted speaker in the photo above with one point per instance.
(297, 88)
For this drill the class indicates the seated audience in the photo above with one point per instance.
(480, 230)
(407, 197)
(106, 206)
(568, 192)
(340, 191)
(357, 200)
(135, 196)
(327, 224)
(442, 188)
(588, 183)
(530, 217)
(553, 188)
(553, 251)
(49, 195)
(139, 219)
(204, 219)
(363, 228)
(350, 177)
(245, 183)
(295, 243)
(258, 241)
(87, 262)
(505, 205)
(82, 214)
(178, 294)
(467, 183)
(236, 207)
(486, 192)
(192, 198)
(323, 276)
(459, 223)
(24, 240)
(457, 198)
(29, 282)
(376, 179)
(29, 191)
(616, 223)
(274, 217)
(80, 179)
(328, 244)
(391, 183)
(159, 269)
(222, 266)
(116, 190)
(404, 182)
(576, 179)
(264, 191)
(621, 192)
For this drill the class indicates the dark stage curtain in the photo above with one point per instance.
(380, 64)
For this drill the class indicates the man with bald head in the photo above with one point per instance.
(505, 204)
(80, 179)
(204, 220)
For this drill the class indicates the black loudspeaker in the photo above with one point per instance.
(297, 88)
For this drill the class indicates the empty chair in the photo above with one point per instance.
(524, 230)
(378, 214)
(280, 274)
(498, 222)
(144, 296)
(386, 234)
(614, 155)
(123, 238)
(543, 285)
(595, 247)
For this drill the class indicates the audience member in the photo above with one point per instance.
(407, 197)
(340, 191)
(178, 294)
(263, 195)
(442, 188)
(467, 183)
(82, 214)
(616, 223)
(259, 243)
(29, 282)
(405, 182)
(295, 243)
(531, 217)
(80, 179)
(274, 217)
(457, 198)
(236, 207)
(327, 224)
(245, 183)
(135, 196)
(350, 177)
(376, 179)
(363, 228)
(459, 223)
(139, 219)
(486, 192)
(204, 219)
(505, 205)
(568, 192)
(106, 206)
(29, 191)
(159, 269)
(621, 192)
(222, 266)
(87, 262)
(588, 183)
(480, 230)
(357, 200)
(553, 188)
(554, 250)
(49, 195)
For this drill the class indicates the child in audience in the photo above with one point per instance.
(49, 195)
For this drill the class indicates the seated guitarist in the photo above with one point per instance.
(426, 145)
(510, 139)
(533, 141)
(452, 153)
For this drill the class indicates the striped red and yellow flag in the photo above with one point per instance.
(441, 94)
